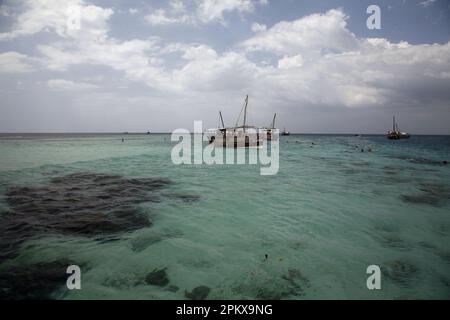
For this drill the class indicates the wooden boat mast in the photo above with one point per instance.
(245, 111)
(221, 119)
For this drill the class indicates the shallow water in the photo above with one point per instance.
(330, 212)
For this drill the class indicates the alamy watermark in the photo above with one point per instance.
(374, 20)
(374, 280)
(240, 146)
(74, 280)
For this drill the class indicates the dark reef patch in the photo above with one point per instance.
(392, 240)
(423, 160)
(291, 283)
(185, 197)
(431, 194)
(157, 277)
(297, 282)
(420, 199)
(198, 293)
(35, 281)
(84, 204)
(400, 271)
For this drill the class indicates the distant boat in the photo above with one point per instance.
(285, 133)
(395, 133)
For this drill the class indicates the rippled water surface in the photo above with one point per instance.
(141, 227)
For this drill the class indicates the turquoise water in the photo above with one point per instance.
(329, 213)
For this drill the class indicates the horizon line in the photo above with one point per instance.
(164, 132)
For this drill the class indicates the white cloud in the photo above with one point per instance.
(135, 57)
(89, 45)
(177, 6)
(133, 11)
(337, 68)
(68, 85)
(207, 11)
(206, 70)
(54, 16)
(14, 62)
(427, 3)
(256, 27)
(213, 10)
(315, 32)
(290, 62)
(161, 17)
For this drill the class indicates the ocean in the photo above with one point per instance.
(141, 227)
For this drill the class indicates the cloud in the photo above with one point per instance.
(54, 16)
(91, 44)
(68, 85)
(14, 62)
(161, 17)
(316, 32)
(427, 3)
(208, 71)
(320, 63)
(207, 11)
(256, 27)
(288, 62)
(213, 10)
(134, 57)
(323, 64)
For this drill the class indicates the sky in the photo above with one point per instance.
(138, 66)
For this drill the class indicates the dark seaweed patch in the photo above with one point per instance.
(186, 197)
(291, 283)
(198, 293)
(400, 271)
(157, 277)
(391, 240)
(432, 194)
(420, 199)
(122, 281)
(423, 160)
(297, 282)
(36, 281)
(84, 204)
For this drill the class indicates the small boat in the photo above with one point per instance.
(395, 133)
(285, 133)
